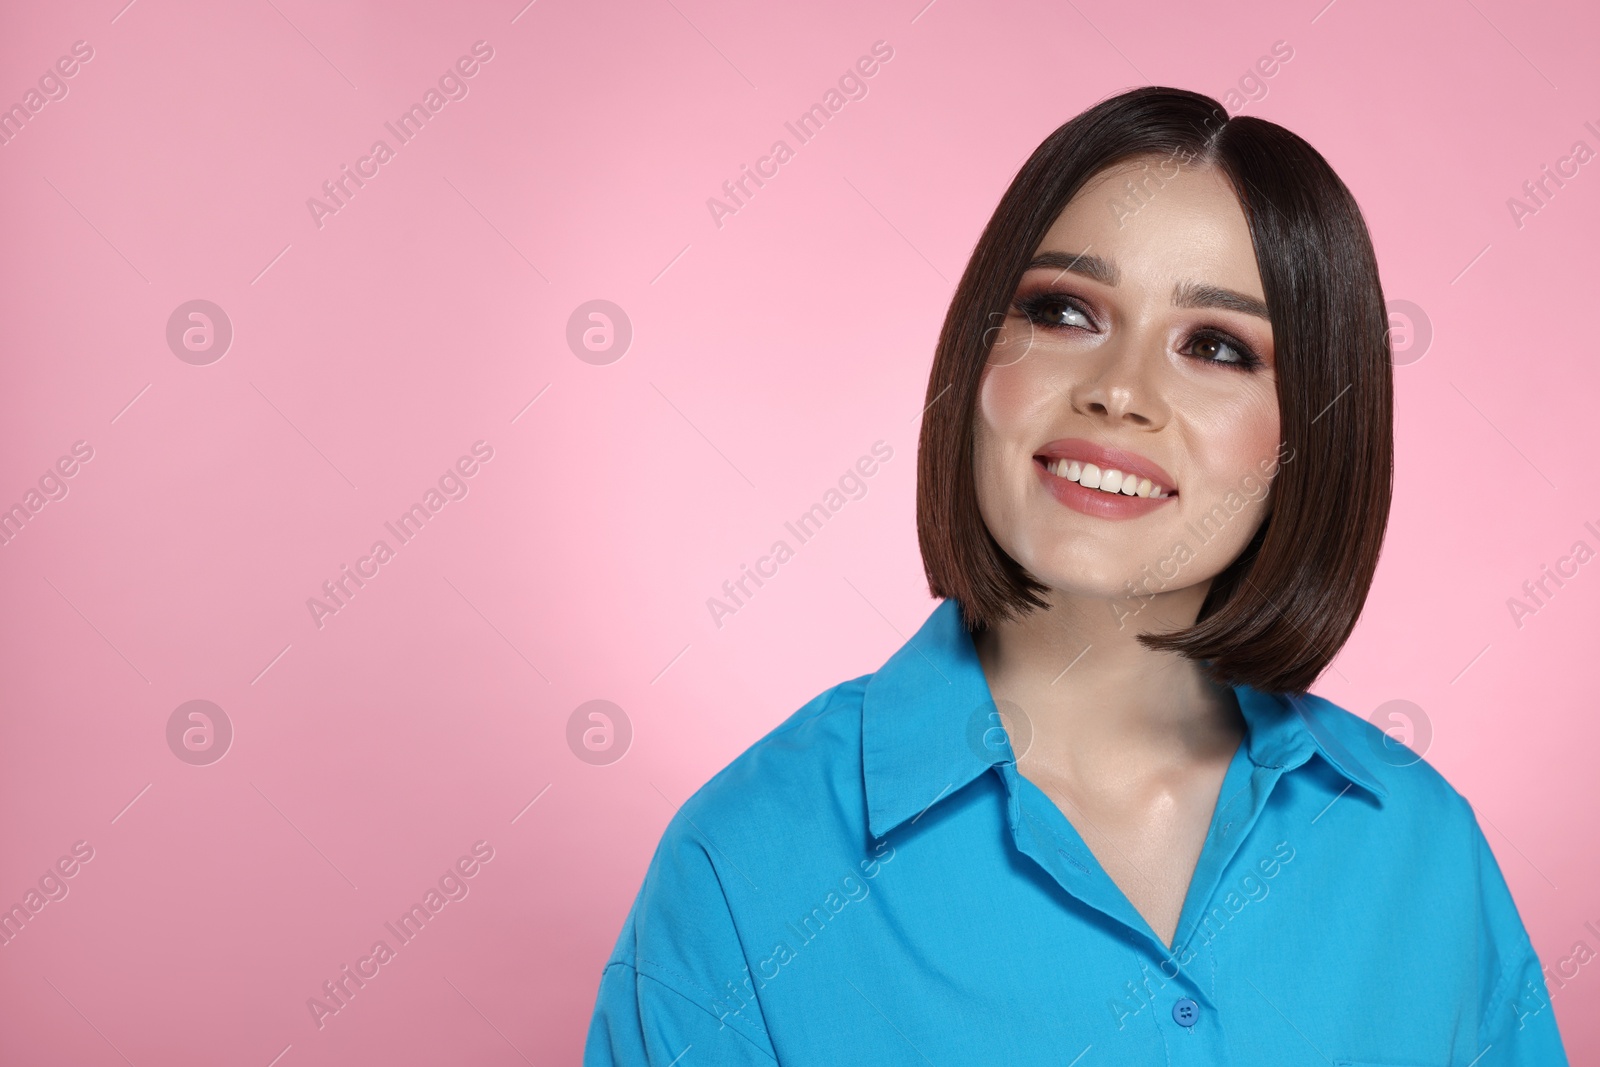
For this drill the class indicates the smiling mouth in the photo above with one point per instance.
(1109, 480)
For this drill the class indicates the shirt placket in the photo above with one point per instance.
(1175, 985)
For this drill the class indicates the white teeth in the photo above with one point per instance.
(1107, 481)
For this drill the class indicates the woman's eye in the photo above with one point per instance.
(1050, 310)
(1216, 349)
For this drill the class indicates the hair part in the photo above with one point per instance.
(1277, 615)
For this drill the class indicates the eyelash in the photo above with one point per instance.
(1034, 306)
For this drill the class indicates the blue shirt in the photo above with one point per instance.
(873, 882)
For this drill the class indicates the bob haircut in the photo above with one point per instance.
(1276, 616)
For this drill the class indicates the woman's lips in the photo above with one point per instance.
(1104, 458)
(1094, 501)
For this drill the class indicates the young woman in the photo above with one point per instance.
(1089, 813)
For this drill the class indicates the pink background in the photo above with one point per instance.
(767, 355)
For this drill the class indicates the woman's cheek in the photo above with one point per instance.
(1239, 442)
(1237, 433)
(1012, 396)
(1257, 432)
(1008, 401)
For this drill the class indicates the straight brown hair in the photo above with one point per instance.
(1277, 615)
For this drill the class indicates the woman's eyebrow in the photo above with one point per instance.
(1184, 294)
(1196, 295)
(1101, 270)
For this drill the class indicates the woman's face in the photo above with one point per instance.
(1138, 345)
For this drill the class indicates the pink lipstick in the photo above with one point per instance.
(1108, 483)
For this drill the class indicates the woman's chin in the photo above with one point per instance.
(1069, 584)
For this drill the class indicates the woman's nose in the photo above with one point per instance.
(1122, 381)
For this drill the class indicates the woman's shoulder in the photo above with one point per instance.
(816, 747)
(1389, 747)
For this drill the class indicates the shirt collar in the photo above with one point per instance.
(929, 725)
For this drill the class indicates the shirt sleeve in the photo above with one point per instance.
(1517, 1023)
(678, 979)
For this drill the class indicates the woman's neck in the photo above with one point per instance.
(1095, 697)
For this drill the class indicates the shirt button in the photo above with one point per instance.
(1185, 1012)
